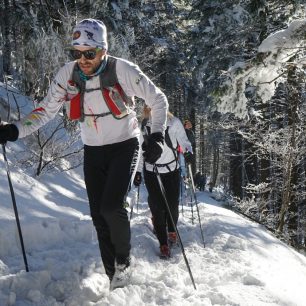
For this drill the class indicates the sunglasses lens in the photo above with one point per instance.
(90, 54)
(75, 54)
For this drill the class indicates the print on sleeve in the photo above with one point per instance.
(35, 115)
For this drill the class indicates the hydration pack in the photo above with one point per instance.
(119, 104)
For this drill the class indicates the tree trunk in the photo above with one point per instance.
(5, 29)
(286, 194)
(291, 160)
(215, 164)
(235, 164)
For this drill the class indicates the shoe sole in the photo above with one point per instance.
(164, 257)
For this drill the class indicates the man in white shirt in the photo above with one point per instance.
(99, 90)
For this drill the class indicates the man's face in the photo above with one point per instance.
(89, 66)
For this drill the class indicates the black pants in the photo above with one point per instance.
(161, 220)
(107, 171)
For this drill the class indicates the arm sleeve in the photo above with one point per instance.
(181, 136)
(47, 109)
(135, 83)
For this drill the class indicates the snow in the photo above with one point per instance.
(276, 51)
(286, 38)
(242, 264)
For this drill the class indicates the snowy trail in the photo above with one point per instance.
(242, 264)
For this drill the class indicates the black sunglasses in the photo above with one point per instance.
(89, 54)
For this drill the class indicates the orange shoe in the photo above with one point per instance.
(172, 238)
(164, 252)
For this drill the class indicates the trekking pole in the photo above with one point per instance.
(15, 208)
(173, 223)
(196, 202)
(181, 195)
(191, 204)
(12, 192)
(190, 194)
(137, 203)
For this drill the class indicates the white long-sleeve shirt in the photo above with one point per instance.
(177, 135)
(103, 130)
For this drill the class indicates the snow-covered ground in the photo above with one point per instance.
(242, 264)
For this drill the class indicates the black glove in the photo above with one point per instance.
(188, 157)
(137, 179)
(8, 132)
(153, 147)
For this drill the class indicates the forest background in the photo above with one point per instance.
(236, 69)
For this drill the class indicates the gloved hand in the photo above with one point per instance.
(188, 157)
(8, 132)
(153, 147)
(137, 179)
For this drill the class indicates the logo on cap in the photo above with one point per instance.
(76, 35)
(90, 35)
